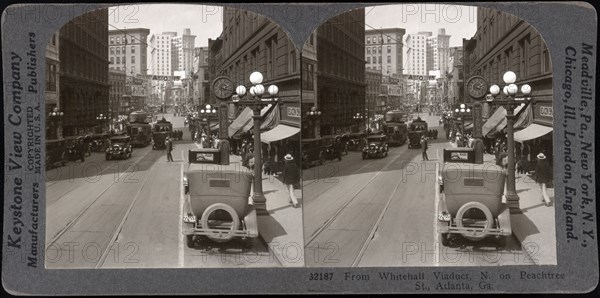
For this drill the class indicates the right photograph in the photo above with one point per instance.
(427, 139)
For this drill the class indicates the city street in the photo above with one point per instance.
(127, 214)
(381, 212)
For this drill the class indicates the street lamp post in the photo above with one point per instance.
(462, 112)
(358, 118)
(54, 117)
(313, 115)
(510, 101)
(208, 112)
(101, 118)
(257, 102)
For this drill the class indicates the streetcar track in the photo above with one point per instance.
(117, 231)
(347, 203)
(76, 218)
(375, 227)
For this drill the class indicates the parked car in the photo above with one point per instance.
(376, 147)
(99, 142)
(355, 141)
(72, 148)
(471, 205)
(312, 152)
(120, 148)
(216, 203)
(334, 148)
(55, 156)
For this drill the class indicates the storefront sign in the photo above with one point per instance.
(294, 112)
(546, 111)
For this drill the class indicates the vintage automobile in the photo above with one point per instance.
(99, 142)
(332, 147)
(158, 139)
(376, 147)
(55, 156)
(217, 200)
(120, 148)
(355, 141)
(312, 152)
(470, 198)
(72, 147)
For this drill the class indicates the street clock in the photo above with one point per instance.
(222, 88)
(477, 87)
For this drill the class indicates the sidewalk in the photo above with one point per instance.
(282, 228)
(535, 227)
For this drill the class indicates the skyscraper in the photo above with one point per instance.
(128, 50)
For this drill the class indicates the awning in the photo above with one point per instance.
(498, 121)
(250, 123)
(279, 132)
(239, 122)
(494, 121)
(214, 127)
(531, 132)
(271, 120)
(469, 126)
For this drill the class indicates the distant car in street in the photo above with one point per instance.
(120, 148)
(376, 147)
(312, 152)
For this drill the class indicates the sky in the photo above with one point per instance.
(459, 21)
(204, 21)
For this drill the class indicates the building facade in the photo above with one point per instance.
(384, 50)
(118, 105)
(504, 42)
(128, 50)
(251, 43)
(53, 122)
(417, 53)
(310, 124)
(455, 76)
(341, 73)
(84, 86)
(201, 86)
(375, 104)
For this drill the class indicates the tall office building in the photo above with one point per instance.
(184, 46)
(428, 52)
(384, 49)
(417, 53)
(162, 53)
(128, 50)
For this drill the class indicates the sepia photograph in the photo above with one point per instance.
(427, 139)
(172, 140)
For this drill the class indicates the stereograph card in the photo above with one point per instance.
(158, 148)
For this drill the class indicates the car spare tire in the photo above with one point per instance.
(470, 235)
(222, 236)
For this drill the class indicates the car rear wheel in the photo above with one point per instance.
(189, 241)
(223, 236)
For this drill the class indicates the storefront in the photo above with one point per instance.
(284, 137)
(537, 137)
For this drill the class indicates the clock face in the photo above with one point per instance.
(477, 87)
(222, 87)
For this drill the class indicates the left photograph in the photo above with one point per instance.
(172, 140)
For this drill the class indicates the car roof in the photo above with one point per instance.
(119, 138)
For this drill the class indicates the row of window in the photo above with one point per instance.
(119, 49)
(125, 40)
(121, 59)
(375, 58)
(377, 39)
(378, 50)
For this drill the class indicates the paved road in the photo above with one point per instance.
(381, 213)
(127, 214)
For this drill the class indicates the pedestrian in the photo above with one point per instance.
(291, 177)
(80, 148)
(169, 144)
(543, 176)
(424, 146)
(204, 142)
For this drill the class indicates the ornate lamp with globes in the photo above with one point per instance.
(510, 100)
